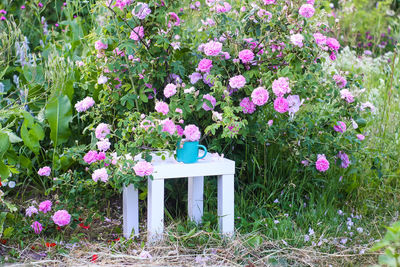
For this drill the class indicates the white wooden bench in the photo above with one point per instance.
(169, 168)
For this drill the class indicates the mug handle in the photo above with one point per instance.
(205, 151)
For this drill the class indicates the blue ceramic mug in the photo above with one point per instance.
(189, 153)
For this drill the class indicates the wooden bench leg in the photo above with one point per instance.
(195, 198)
(226, 204)
(130, 211)
(155, 209)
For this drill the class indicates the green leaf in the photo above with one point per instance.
(3, 72)
(4, 143)
(8, 232)
(59, 115)
(4, 171)
(31, 133)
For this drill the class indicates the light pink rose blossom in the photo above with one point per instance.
(246, 56)
(45, 171)
(143, 168)
(100, 174)
(281, 105)
(168, 126)
(205, 65)
(45, 206)
(90, 157)
(237, 82)
(346, 95)
(102, 130)
(333, 44)
(340, 80)
(320, 39)
(360, 137)
(280, 87)
(322, 164)
(297, 39)
(103, 145)
(170, 90)
(192, 133)
(259, 96)
(212, 48)
(307, 10)
(84, 104)
(137, 33)
(162, 107)
(100, 46)
(61, 218)
(269, 2)
(247, 106)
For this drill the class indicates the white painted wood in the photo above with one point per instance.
(168, 168)
(209, 166)
(195, 198)
(130, 208)
(155, 209)
(226, 203)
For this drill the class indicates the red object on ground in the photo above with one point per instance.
(84, 226)
(3, 241)
(94, 258)
(50, 245)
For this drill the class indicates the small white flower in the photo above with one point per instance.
(11, 184)
(360, 230)
(310, 231)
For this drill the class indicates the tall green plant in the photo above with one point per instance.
(59, 115)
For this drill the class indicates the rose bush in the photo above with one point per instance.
(229, 71)
(249, 77)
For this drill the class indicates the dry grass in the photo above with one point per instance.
(181, 250)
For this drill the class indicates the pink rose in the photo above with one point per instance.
(322, 164)
(143, 168)
(61, 218)
(246, 56)
(281, 105)
(205, 65)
